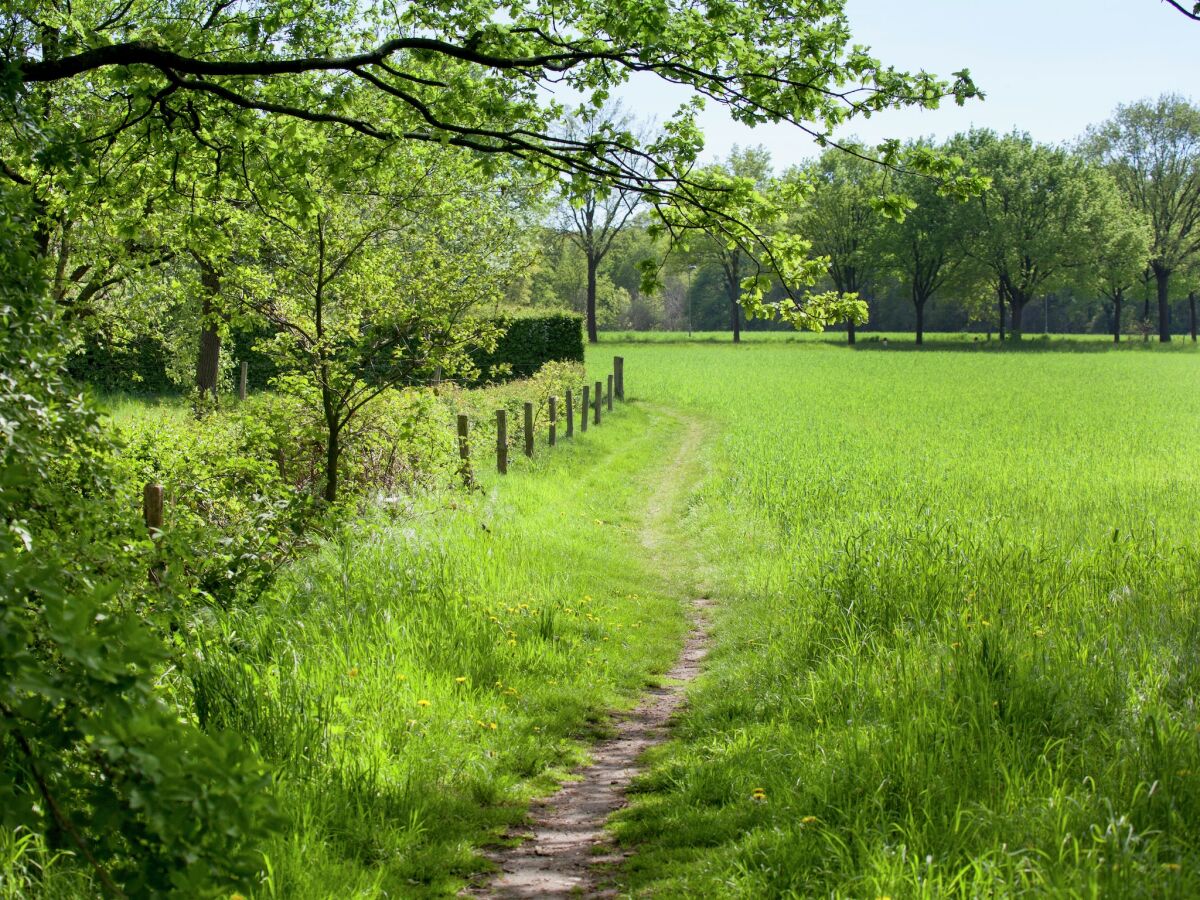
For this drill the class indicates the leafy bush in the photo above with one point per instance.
(92, 758)
(529, 342)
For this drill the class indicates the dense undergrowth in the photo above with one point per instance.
(957, 646)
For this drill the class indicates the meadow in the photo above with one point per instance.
(955, 649)
(956, 644)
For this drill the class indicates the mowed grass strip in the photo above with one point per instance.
(416, 682)
(958, 649)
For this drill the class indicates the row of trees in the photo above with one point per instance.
(1115, 216)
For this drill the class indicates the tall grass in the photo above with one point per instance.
(958, 648)
(419, 679)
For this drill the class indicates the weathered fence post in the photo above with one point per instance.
(244, 377)
(152, 508)
(502, 442)
(610, 392)
(570, 412)
(553, 402)
(599, 400)
(584, 410)
(464, 450)
(529, 430)
(619, 371)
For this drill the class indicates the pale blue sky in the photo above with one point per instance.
(1051, 67)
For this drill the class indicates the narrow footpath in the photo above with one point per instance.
(566, 851)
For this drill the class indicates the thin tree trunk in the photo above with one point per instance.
(592, 265)
(735, 318)
(920, 304)
(1117, 317)
(850, 332)
(208, 359)
(333, 446)
(1000, 309)
(1163, 278)
(1192, 313)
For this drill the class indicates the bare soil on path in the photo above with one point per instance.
(566, 851)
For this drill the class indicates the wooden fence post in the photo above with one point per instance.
(619, 371)
(553, 401)
(584, 410)
(502, 442)
(610, 392)
(152, 508)
(245, 373)
(570, 412)
(599, 400)
(464, 450)
(529, 430)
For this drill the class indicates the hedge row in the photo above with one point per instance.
(140, 366)
(529, 342)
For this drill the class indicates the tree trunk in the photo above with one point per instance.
(1018, 315)
(850, 332)
(1000, 309)
(333, 444)
(1192, 313)
(735, 321)
(1163, 278)
(920, 304)
(333, 451)
(208, 359)
(1117, 299)
(592, 265)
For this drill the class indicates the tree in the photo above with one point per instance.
(1034, 225)
(1120, 249)
(367, 273)
(841, 217)
(923, 249)
(466, 75)
(1152, 149)
(753, 164)
(595, 217)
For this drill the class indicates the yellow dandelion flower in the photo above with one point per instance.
(402, 678)
(809, 820)
(512, 642)
(492, 725)
(461, 679)
(352, 672)
(423, 703)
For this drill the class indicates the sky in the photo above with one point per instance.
(1049, 67)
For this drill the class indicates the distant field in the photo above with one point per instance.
(957, 644)
(868, 340)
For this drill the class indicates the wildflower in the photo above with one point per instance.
(461, 679)
(1171, 867)
(759, 795)
(237, 896)
(352, 672)
(954, 645)
(512, 642)
(492, 725)
(809, 820)
(402, 678)
(422, 703)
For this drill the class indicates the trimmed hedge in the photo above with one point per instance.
(529, 342)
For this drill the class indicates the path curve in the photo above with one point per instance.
(567, 851)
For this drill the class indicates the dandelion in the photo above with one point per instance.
(352, 672)
(423, 703)
(809, 820)
(759, 795)
(492, 726)
(402, 678)
(1171, 867)
(461, 679)
(512, 642)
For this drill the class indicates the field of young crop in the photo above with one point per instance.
(956, 647)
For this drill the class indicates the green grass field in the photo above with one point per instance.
(957, 645)
(955, 642)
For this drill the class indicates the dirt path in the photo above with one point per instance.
(567, 851)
